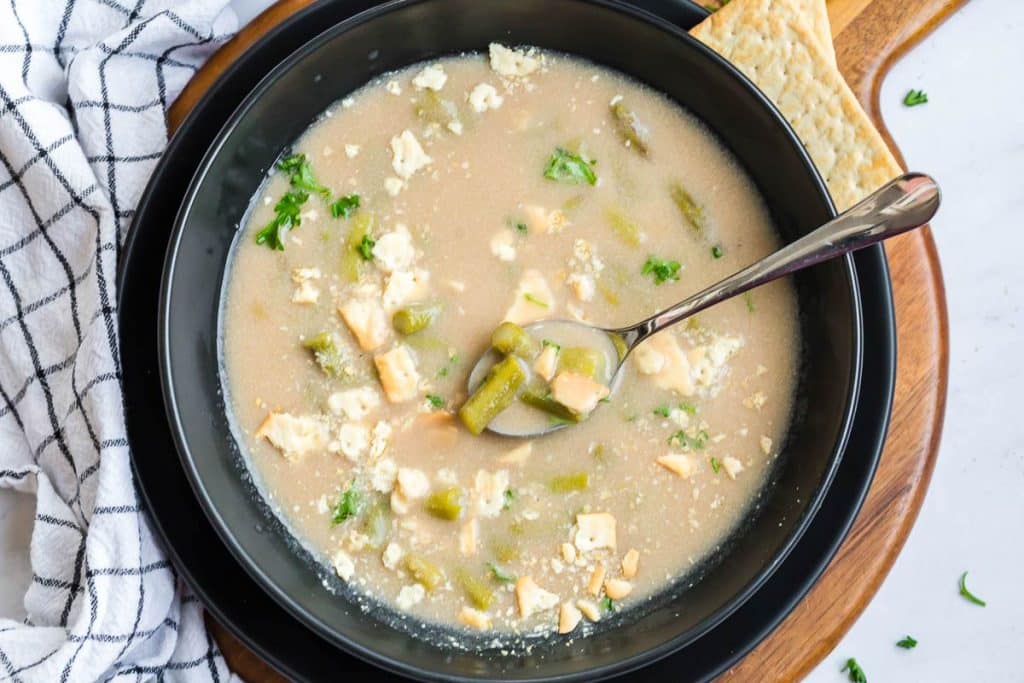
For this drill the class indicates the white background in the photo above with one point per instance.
(970, 136)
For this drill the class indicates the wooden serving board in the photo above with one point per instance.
(870, 35)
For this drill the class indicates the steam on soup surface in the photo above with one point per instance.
(408, 223)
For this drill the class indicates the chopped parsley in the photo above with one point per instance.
(344, 207)
(748, 299)
(349, 505)
(716, 465)
(500, 574)
(567, 167)
(548, 342)
(607, 604)
(663, 410)
(908, 643)
(509, 496)
(662, 271)
(453, 359)
(853, 671)
(967, 594)
(287, 211)
(534, 300)
(696, 442)
(435, 401)
(716, 251)
(521, 228)
(915, 97)
(688, 408)
(365, 247)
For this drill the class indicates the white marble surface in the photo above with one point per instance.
(971, 137)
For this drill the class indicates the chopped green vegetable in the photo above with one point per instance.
(663, 410)
(967, 594)
(500, 574)
(661, 271)
(716, 252)
(366, 246)
(435, 401)
(915, 97)
(534, 300)
(352, 256)
(854, 672)
(415, 318)
(328, 355)
(692, 212)
(377, 523)
(582, 360)
(607, 604)
(493, 395)
(432, 108)
(633, 133)
(626, 230)
(907, 643)
(509, 495)
(344, 207)
(567, 167)
(349, 505)
(453, 359)
(511, 339)
(567, 483)
(521, 228)
(423, 571)
(445, 504)
(684, 440)
(540, 398)
(716, 464)
(478, 592)
(748, 299)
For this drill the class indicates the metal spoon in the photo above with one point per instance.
(903, 204)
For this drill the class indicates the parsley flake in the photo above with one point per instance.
(349, 505)
(662, 271)
(716, 252)
(365, 247)
(500, 574)
(435, 401)
(908, 643)
(716, 465)
(344, 207)
(608, 604)
(567, 167)
(854, 672)
(967, 594)
(914, 98)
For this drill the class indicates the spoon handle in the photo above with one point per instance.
(900, 205)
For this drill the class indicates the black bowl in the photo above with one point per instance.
(393, 36)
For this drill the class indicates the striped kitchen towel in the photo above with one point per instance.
(84, 86)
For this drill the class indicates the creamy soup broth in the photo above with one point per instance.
(549, 534)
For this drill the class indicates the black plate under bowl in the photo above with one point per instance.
(217, 578)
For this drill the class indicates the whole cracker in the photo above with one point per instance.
(772, 44)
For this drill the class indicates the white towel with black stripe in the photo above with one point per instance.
(84, 86)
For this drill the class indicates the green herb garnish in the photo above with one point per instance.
(662, 271)
(344, 207)
(435, 401)
(688, 408)
(548, 342)
(967, 594)
(748, 299)
(453, 359)
(695, 443)
(716, 465)
(567, 167)
(349, 505)
(288, 209)
(908, 643)
(534, 300)
(301, 174)
(915, 97)
(663, 410)
(509, 495)
(607, 604)
(365, 247)
(521, 228)
(500, 574)
(716, 252)
(855, 673)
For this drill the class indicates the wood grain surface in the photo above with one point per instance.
(870, 35)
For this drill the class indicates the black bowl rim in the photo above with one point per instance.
(253, 567)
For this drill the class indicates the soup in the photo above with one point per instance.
(487, 192)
